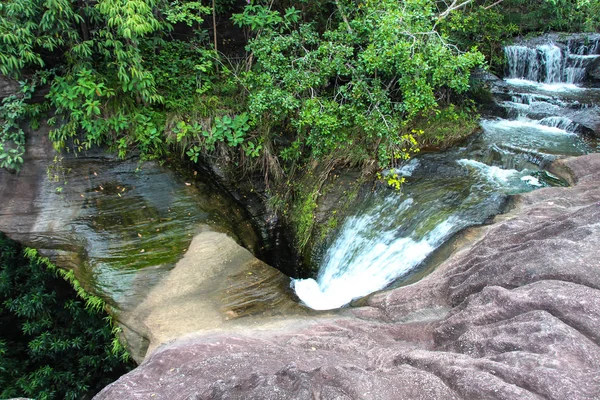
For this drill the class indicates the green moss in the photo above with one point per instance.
(448, 126)
(330, 226)
(303, 217)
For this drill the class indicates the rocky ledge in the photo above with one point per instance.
(515, 314)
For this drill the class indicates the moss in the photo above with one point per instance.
(321, 203)
(303, 216)
(330, 226)
(447, 127)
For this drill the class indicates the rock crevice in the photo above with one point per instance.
(513, 315)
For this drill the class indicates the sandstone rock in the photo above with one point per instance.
(217, 285)
(120, 224)
(513, 315)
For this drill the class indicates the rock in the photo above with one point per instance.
(8, 87)
(513, 315)
(120, 224)
(594, 70)
(217, 285)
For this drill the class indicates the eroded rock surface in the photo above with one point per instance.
(8, 87)
(515, 315)
(120, 224)
(218, 285)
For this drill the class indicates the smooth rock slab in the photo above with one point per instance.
(514, 315)
(218, 285)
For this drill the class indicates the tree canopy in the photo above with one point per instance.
(288, 81)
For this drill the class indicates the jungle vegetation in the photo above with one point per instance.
(267, 85)
(55, 342)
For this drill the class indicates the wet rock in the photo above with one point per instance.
(121, 225)
(8, 87)
(513, 315)
(594, 70)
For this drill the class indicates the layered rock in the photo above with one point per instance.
(514, 315)
(122, 225)
(8, 87)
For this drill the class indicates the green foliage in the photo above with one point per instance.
(357, 85)
(553, 15)
(54, 344)
(257, 17)
(488, 29)
(30, 27)
(187, 12)
(447, 126)
(321, 78)
(392, 179)
(225, 130)
(12, 137)
(183, 71)
(15, 112)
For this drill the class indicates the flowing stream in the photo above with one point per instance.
(543, 97)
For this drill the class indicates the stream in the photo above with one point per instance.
(543, 101)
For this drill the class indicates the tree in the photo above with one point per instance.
(357, 85)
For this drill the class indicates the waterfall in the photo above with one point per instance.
(394, 233)
(562, 123)
(549, 63)
(523, 62)
(361, 261)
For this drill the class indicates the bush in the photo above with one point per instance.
(54, 344)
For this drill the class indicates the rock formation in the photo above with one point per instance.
(218, 285)
(122, 225)
(515, 314)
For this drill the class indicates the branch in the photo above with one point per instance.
(452, 7)
(339, 6)
(495, 4)
(455, 6)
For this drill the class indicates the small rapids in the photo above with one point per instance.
(394, 233)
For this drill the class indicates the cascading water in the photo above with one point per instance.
(395, 232)
(550, 63)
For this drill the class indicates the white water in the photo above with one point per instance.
(513, 125)
(360, 263)
(562, 123)
(545, 87)
(494, 174)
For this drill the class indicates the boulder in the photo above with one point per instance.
(594, 70)
(218, 285)
(513, 314)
